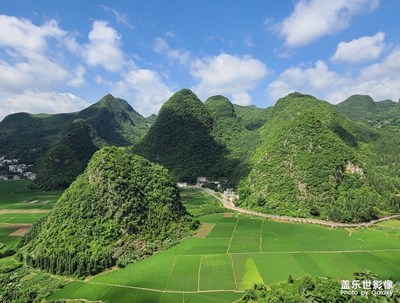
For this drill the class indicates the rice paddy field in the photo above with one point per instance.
(20, 207)
(229, 253)
(237, 251)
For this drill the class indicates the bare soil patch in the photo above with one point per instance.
(20, 232)
(228, 215)
(17, 225)
(204, 230)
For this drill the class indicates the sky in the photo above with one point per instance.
(62, 56)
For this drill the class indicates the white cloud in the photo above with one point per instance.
(161, 46)
(367, 48)
(104, 48)
(312, 19)
(78, 80)
(30, 59)
(120, 17)
(33, 67)
(379, 80)
(227, 75)
(248, 41)
(27, 38)
(144, 89)
(39, 72)
(40, 102)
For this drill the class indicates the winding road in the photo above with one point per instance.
(229, 205)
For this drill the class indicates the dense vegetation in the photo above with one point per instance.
(110, 121)
(364, 108)
(22, 286)
(121, 208)
(180, 138)
(311, 163)
(28, 137)
(314, 289)
(231, 132)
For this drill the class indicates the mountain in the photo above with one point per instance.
(27, 137)
(180, 138)
(122, 208)
(110, 121)
(251, 116)
(66, 159)
(311, 162)
(231, 132)
(115, 121)
(364, 108)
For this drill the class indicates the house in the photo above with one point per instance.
(231, 195)
(30, 175)
(181, 184)
(201, 181)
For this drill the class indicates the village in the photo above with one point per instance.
(10, 169)
(204, 182)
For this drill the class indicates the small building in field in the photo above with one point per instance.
(201, 181)
(182, 184)
(230, 194)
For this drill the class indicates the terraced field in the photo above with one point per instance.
(240, 251)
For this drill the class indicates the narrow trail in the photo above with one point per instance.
(229, 205)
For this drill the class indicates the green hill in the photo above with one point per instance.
(251, 116)
(231, 132)
(364, 108)
(115, 121)
(121, 208)
(67, 159)
(27, 137)
(180, 139)
(110, 121)
(310, 162)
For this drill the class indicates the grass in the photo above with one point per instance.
(17, 195)
(227, 264)
(238, 252)
(198, 203)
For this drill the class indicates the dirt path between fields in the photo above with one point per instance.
(24, 211)
(229, 205)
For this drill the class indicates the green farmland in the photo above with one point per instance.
(17, 195)
(20, 205)
(235, 252)
(240, 251)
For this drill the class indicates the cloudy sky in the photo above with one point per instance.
(61, 56)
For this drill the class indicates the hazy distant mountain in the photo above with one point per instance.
(364, 108)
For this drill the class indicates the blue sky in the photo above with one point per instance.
(61, 56)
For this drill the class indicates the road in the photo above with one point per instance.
(229, 205)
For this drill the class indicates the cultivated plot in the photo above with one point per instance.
(240, 251)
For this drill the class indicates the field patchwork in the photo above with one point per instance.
(240, 251)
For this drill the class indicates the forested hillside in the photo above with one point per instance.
(314, 162)
(121, 208)
(364, 108)
(238, 135)
(110, 121)
(28, 137)
(180, 139)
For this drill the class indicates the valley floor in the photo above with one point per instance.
(240, 251)
(228, 255)
(229, 205)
